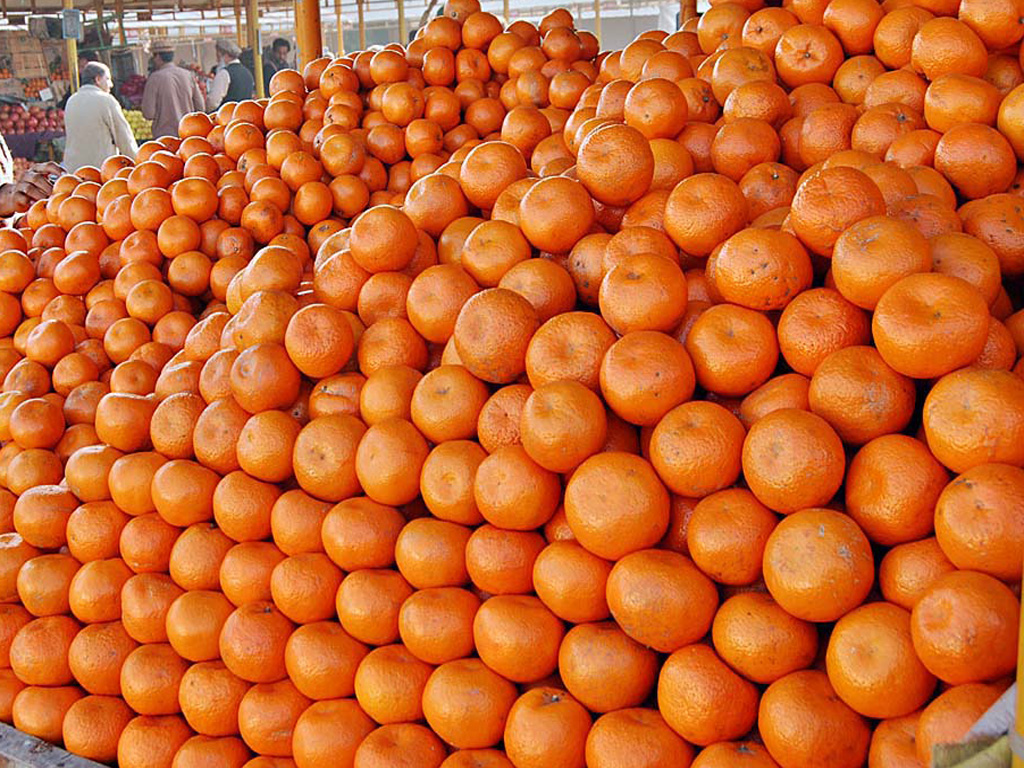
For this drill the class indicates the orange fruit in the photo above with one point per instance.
(604, 669)
(329, 732)
(643, 579)
(778, 449)
(93, 727)
(629, 735)
(894, 507)
(894, 741)
(734, 349)
(546, 724)
(252, 642)
(954, 614)
(492, 333)
(696, 447)
(729, 553)
(800, 714)
(555, 213)
(950, 715)
(840, 375)
(692, 679)
(595, 503)
(840, 557)
(894, 682)
(954, 307)
(760, 640)
(828, 202)
(978, 489)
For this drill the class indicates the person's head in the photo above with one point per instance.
(227, 50)
(98, 74)
(163, 53)
(281, 48)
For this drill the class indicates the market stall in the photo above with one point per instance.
(33, 79)
(36, 75)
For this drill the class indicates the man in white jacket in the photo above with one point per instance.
(95, 125)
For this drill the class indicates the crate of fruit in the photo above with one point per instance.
(11, 86)
(29, 65)
(142, 128)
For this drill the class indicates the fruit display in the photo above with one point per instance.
(497, 401)
(132, 88)
(20, 165)
(33, 85)
(203, 78)
(18, 119)
(142, 128)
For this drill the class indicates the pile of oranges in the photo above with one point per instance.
(496, 401)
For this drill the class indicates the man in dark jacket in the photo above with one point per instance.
(275, 60)
(233, 82)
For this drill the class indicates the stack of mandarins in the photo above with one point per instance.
(499, 402)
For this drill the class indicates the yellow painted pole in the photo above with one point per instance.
(307, 30)
(403, 28)
(1017, 736)
(72, 52)
(253, 17)
(597, 20)
(362, 25)
(341, 30)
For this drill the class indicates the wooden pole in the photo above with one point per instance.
(307, 31)
(362, 25)
(250, 26)
(341, 30)
(119, 7)
(99, 21)
(504, 10)
(597, 20)
(239, 32)
(72, 53)
(403, 28)
(20, 749)
(253, 17)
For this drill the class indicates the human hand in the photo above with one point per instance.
(35, 184)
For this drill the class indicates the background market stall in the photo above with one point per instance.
(122, 37)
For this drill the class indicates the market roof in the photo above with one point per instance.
(374, 10)
(50, 6)
(185, 20)
(227, 6)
